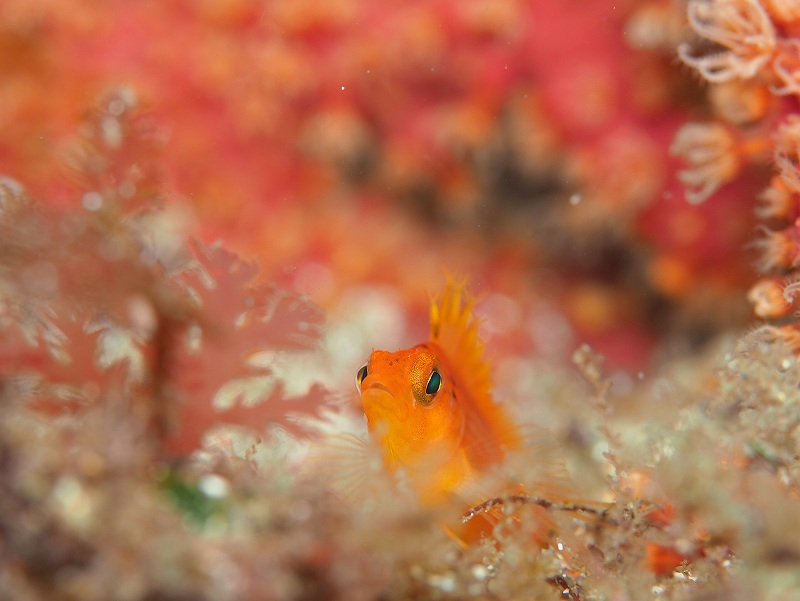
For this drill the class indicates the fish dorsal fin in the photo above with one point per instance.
(454, 332)
(454, 328)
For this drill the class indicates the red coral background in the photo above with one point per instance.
(347, 143)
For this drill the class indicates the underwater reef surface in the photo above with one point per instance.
(211, 213)
(158, 413)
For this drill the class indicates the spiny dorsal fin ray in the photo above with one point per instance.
(454, 328)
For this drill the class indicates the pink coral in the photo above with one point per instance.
(103, 294)
(760, 46)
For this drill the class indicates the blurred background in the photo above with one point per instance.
(363, 150)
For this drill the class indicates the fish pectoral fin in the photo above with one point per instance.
(352, 466)
(532, 473)
(537, 464)
(524, 456)
(540, 468)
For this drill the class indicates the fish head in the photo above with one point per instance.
(410, 404)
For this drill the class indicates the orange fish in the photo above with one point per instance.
(431, 412)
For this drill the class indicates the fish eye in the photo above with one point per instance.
(360, 375)
(434, 383)
(425, 379)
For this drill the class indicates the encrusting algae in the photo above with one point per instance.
(97, 505)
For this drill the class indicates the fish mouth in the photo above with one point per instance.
(381, 407)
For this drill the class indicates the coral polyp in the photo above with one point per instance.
(752, 45)
(743, 29)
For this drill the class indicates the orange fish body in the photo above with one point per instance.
(430, 408)
(431, 412)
